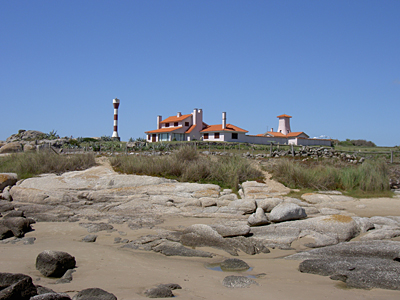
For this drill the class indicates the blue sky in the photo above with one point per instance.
(332, 65)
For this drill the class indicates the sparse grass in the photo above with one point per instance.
(187, 165)
(369, 178)
(31, 164)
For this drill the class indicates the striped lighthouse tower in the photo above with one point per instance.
(115, 132)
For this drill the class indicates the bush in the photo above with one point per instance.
(371, 176)
(187, 165)
(30, 164)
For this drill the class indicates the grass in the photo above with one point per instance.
(368, 179)
(187, 165)
(31, 164)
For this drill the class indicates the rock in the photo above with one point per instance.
(43, 290)
(29, 148)
(357, 272)
(11, 147)
(7, 179)
(173, 286)
(268, 204)
(234, 264)
(5, 206)
(54, 263)
(381, 234)
(6, 194)
(16, 286)
(231, 231)
(244, 206)
(67, 277)
(258, 218)
(161, 291)
(206, 202)
(169, 248)
(94, 293)
(18, 225)
(238, 281)
(91, 238)
(96, 227)
(316, 198)
(287, 211)
(51, 296)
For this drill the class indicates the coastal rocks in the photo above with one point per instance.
(94, 293)
(287, 211)
(54, 263)
(234, 265)
(15, 226)
(96, 227)
(51, 296)
(234, 281)
(16, 286)
(11, 147)
(258, 218)
(370, 264)
(243, 206)
(161, 291)
(169, 248)
(91, 238)
(7, 179)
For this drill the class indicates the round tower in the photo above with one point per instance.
(115, 132)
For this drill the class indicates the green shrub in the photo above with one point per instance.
(187, 165)
(30, 164)
(371, 176)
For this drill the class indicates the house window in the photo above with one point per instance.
(216, 135)
(148, 137)
(205, 136)
(234, 136)
(175, 124)
(166, 124)
(187, 124)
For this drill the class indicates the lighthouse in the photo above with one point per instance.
(115, 132)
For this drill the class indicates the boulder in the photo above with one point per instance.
(94, 293)
(286, 212)
(5, 206)
(238, 281)
(258, 218)
(16, 286)
(161, 291)
(234, 264)
(51, 296)
(231, 231)
(243, 206)
(6, 194)
(268, 204)
(7, 179)
(54, 263)
(18, 225)
(11, 147)
(169, 248)
(91, 238)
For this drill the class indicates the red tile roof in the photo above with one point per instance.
(284, 116)
(165, 129)
(295, 134)
(190, 129)
(229, 127)
(175, 118)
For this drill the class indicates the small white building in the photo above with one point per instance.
(191, 127)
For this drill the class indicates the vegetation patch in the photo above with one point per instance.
(187, 165)
(371, 177)
(29, 164)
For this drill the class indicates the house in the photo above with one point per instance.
(191, 127)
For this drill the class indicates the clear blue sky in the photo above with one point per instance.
(332, 65)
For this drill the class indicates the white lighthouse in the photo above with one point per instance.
(115, 132)
(284, 124)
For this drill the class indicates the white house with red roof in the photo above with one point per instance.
(191, 127)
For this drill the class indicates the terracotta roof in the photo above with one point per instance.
(165, 129)
(294, 134)
(284, 116)
(175, 119)
(229, 127)
(275, 134)
(190, 129)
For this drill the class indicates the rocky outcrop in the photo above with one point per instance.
(54, 263)
(16, 286)
(286, 212)
(7, 179)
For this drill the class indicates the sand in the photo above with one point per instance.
(128, 273)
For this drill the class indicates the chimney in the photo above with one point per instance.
(224, 120)
(272, 130)
(178, 115)
(194, 117)
(159, 119)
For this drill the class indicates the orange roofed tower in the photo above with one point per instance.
(284, 124)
